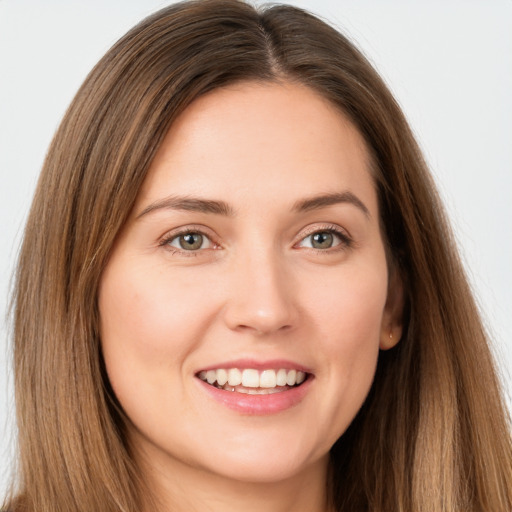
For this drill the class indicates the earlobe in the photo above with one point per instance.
(390, 339)
(392, 319)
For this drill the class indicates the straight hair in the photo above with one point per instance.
(433, 434)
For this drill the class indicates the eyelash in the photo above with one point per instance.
(169, 238)
(346, 241)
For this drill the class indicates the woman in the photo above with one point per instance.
(237, 288)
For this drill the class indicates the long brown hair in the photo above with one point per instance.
(433, 434)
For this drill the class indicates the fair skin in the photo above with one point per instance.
(228, 261)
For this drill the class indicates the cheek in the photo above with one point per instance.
(349, 315)
(148, 324)
(349, 306)
(148, 307)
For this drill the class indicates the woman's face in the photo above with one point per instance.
(245, 300)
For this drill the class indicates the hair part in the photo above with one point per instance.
(433, 434)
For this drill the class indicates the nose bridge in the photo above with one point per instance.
(260, 296)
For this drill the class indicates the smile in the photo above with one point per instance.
(253, 382)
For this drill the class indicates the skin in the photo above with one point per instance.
(256, 289)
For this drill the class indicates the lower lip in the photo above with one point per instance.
(258, 404)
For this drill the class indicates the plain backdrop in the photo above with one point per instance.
(448, 62)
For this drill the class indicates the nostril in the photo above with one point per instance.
(263, 329)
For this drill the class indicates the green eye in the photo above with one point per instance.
(326, 239)
(190, 242)
(322, 240)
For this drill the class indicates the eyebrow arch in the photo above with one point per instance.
(192, 204)
(195, 204)
(324, 200)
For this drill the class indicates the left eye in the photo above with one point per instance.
(321, 240)
(191, 241)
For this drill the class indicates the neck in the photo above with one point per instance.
(190, 489)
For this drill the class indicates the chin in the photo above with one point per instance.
(263, 470)
(262, 458)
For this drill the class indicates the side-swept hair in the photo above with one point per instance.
(432, 435)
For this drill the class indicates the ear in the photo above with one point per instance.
(392, 318)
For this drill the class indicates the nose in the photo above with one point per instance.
(260, 298)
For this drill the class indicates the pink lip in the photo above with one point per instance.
(258, 404)
(257, 365)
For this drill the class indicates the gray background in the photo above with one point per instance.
(448, 62)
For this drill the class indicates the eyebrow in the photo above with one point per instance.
(195, 204)
(191, 204)
(325, 200)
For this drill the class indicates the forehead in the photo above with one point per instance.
(270, 142)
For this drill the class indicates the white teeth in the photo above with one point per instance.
(253, 379)
(268, 379)
(281, 377)
(222, 377)
(211, 376)
(290, 378)
(234, 377)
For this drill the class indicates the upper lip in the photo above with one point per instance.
(270, 364)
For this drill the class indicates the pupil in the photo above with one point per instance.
(191, 241)
(322, 240)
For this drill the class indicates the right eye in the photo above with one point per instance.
(321, 240)
(189, 241)
(328, 239)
